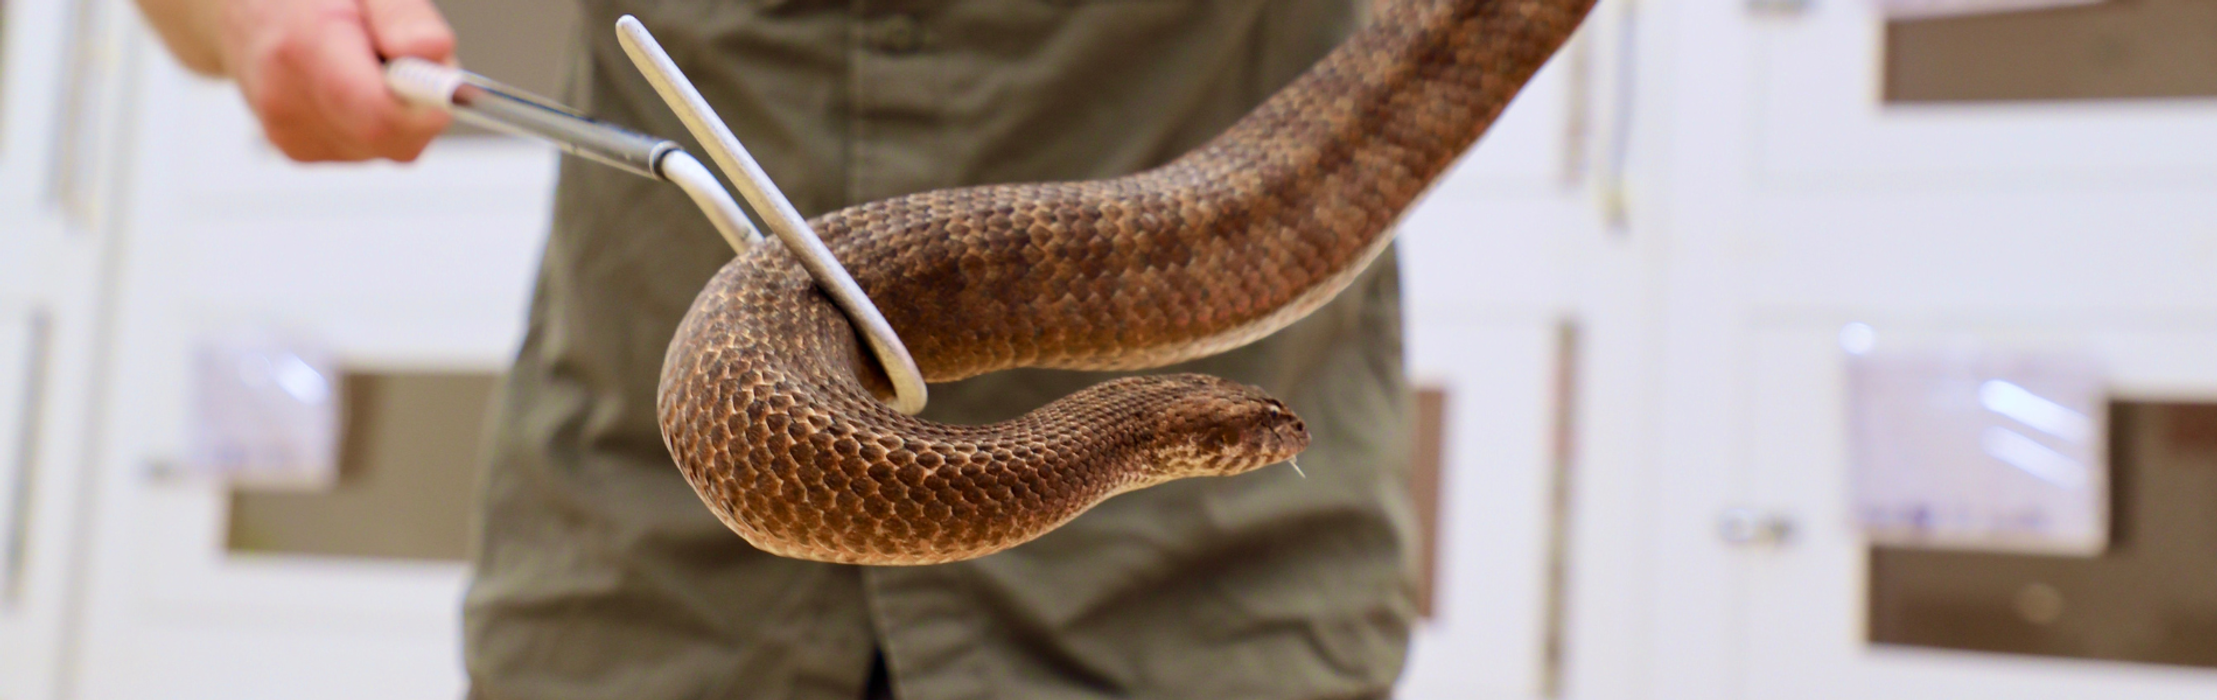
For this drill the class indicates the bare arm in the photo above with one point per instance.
(188, 29)
(310, 69)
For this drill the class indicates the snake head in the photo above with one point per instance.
(1217, 427)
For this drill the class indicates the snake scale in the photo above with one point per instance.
(770, 403)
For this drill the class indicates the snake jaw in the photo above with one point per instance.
(1223, 428)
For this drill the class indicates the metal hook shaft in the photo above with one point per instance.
(776, 211)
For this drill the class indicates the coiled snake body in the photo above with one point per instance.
(769, 402)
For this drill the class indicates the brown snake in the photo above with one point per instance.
(769, 402)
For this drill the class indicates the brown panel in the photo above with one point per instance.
(1424, 486)
(408, 466)
(2117, 49)
(2147, 599)
(1563, 459)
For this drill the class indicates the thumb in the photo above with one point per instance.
(409, 28)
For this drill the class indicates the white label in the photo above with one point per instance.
(1980, 450)
(265, 412)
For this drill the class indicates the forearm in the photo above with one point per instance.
(189, 28)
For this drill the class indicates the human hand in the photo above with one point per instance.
(312, 72)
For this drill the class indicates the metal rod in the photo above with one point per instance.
(479, 100)
(777, 212)
(688, 174)
(484, 102)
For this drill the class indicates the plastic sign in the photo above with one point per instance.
(265, 412)
(1976, 449)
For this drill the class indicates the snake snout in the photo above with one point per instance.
(1283, 435)
(1235, 428)
(1290, 435)
(1268, 433)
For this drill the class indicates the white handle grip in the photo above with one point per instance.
(422, 82)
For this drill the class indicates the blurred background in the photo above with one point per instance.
(1770, 349)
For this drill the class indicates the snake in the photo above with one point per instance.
(772, 407)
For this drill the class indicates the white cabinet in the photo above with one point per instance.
(1791, 201)
(51, 250)
(1817, 82)
(1490, 262)
(1489, 631)
(424, 267)
(1805, 603)
(29, 605)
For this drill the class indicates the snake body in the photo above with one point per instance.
(769, 402)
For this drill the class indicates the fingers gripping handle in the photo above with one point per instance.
(489, 104)
(481, 101)
(422, 82)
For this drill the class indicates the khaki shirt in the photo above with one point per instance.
(599, 574)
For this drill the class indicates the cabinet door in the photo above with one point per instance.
(1488, 260)
(1805, 626)
(1494, 530)
(1822, 118)
(55, 66)
(395, 270)
(22, 628)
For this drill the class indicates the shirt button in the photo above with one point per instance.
(896, 34)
